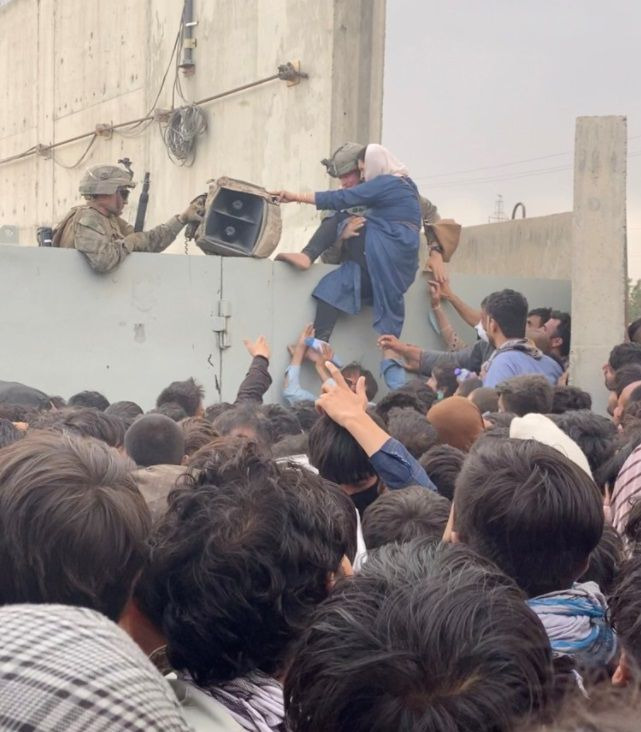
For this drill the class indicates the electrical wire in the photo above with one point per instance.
(181, 131)
(80, 159)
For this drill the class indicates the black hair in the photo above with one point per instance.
(215, 410)
(93, 399)
(189, 394)
(238, 561)
(20, 413)
(371, 385)
(607, 474)
(87, 422)
(245, 419)
(336, 454)
(442, 464)
(625, 608)
(486, 399)
(281, 422)
(197, 432)
(626, 375)
(412, 430)
(425, 394)
(306, 414)
(73, 525)
(529, 509)
(57, 402)
(9, 433)
(155, 440)
(633, 329)
(526, 394)
(593, 433)
(172, 410)
(509, 309)
(623, 354)
(605, 560)
(127, 411)
(567, 398)
(563, 330)
(399, 398)
(405, 514)
(500, 419)
(543, 313)
(469, 385)
(291, 445)
(444, 373)
(456, 650)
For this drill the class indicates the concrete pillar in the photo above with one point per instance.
(357, 71)
(599, 264)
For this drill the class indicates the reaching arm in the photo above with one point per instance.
(257, 380)
(470, 315)
(389, 458)
(450, 336)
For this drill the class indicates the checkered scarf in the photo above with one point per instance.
(69, 669)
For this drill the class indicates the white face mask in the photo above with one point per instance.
(482, 334)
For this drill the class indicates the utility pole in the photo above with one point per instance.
(499, 211)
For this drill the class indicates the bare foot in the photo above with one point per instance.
(298, 260)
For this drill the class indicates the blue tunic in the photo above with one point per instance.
(391, 249)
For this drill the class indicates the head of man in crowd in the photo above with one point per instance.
(631, 393)
(531, 510)
(343, 164)
(504, 316)
(523, 395)
(107, 187)
(620, 355)
(424, 638)
(405, 514)
(188, 394)
(634, 331)
(73, 525)
(238, 562)
(558, 329)
(538, 317)
(352, 373)
(93, 399)
(155, 440)
(340, 459)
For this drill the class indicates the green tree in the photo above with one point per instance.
(634, 300)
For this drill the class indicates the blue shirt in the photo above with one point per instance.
(506, 365)
(391, 249)
(397, 468)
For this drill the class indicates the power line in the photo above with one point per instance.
(505, 165)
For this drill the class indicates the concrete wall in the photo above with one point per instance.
(535, 247)
(68, 65)
(151, 321)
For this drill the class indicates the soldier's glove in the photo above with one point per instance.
(192, 214)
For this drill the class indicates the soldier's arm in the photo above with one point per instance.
(94, 240)
(154, 240)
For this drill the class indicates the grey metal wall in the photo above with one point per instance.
(128, 334)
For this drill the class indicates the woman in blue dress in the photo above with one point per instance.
(390, 258)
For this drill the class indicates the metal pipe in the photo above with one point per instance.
(187, 62)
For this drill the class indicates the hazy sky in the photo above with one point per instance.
(475, 85)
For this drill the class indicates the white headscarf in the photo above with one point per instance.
(380, 161)
(541, 428)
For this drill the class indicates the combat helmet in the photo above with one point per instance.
(105, 180)
(344, 160)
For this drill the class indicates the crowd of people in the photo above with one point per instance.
(460, 554)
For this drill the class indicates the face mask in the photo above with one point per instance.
(363, 499)
(482, 334)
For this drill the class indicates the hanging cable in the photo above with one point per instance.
(179, 134)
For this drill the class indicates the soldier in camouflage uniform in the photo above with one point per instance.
(97, 230)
